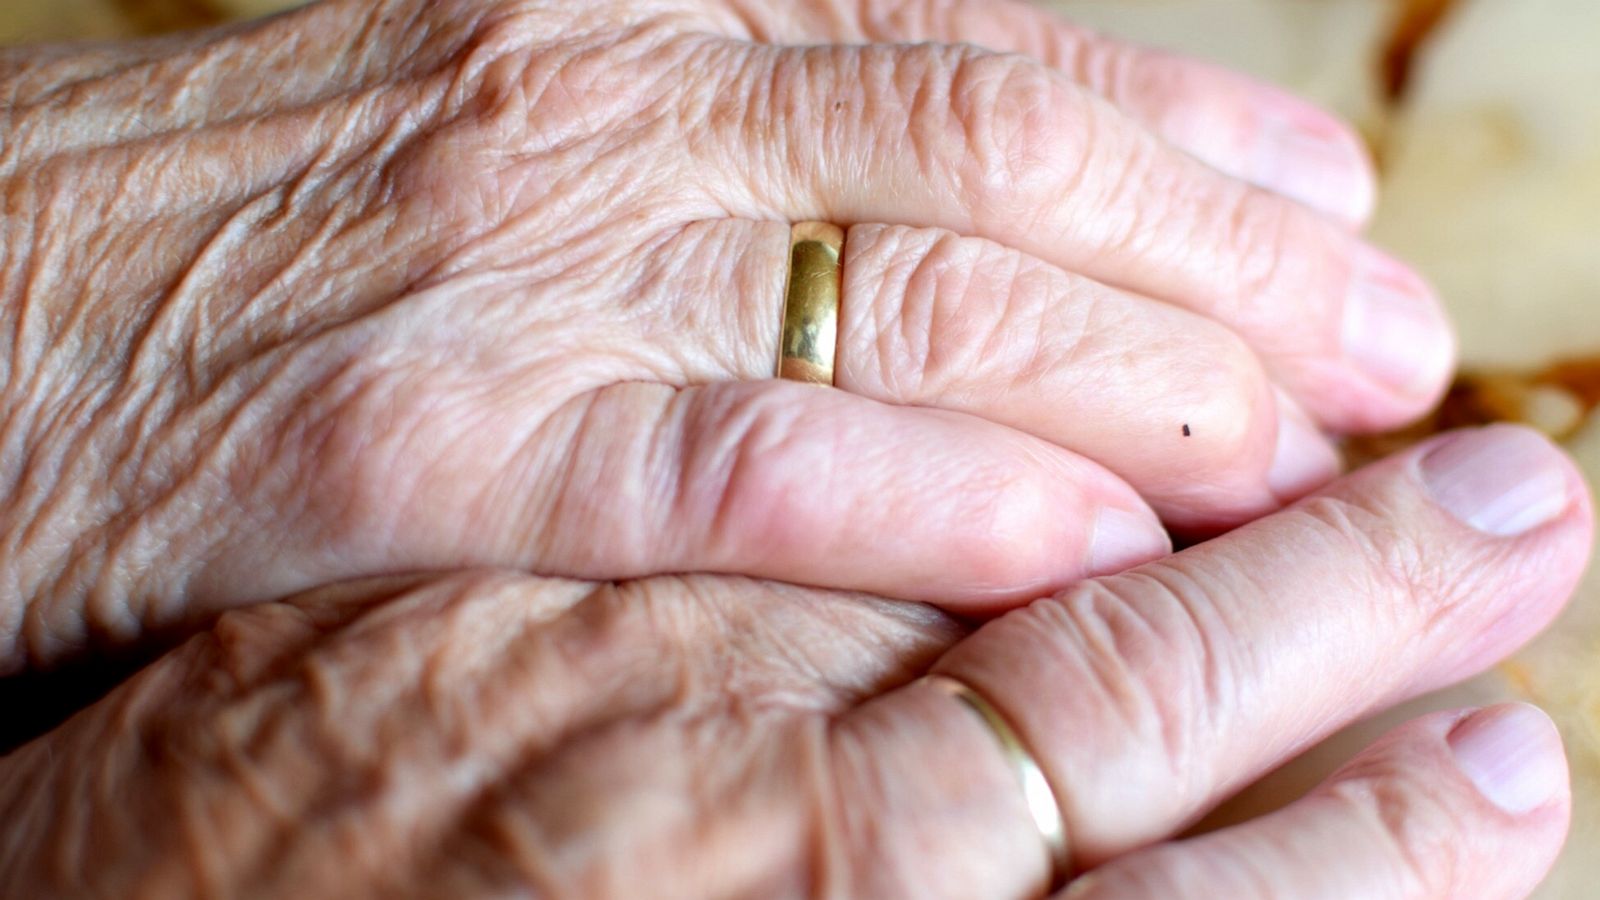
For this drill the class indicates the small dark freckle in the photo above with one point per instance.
(1187, 432)
(838, 105)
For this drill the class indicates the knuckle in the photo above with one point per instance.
(944, 323)
(1273, 251)
(1256, 234)
(1132, 188)
(1156, 668)
(1016, 126)
(1414, 593)
(949, 309)
(884, 336)
(1417, 833)
(509, 108)
(742, 459)
(1107, 66)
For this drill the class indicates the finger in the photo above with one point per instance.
(774, 479)
(821, 488)
(1173, 403)
(1005, 149)
(1242, 127)
(1147, 697)
(1457, 806)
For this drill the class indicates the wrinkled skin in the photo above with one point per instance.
(376, 288)
(499, 734)
(429, 339)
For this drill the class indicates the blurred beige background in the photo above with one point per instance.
(1485, 117)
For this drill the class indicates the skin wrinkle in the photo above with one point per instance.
(1259, 244)
(344, 419)
(118, 82)
(581, 468)
(306, 442)
(912, 323)
(1018, 305)
(929, 107)
(1222, 396)
(1044, 152)
(940, 291)
(1080, 312)
(1207, 686)
(1125, 641)
(165, 484)
(180, 311)
(31, 315)
(743, 484)
(669, 460)
(16, 308)
(1036, 312)
(700, 630)
(1397, 601)
(1009, 155)
(669, 261)
(968, 330)
(1131, 164)
(1110, 67)
(1076, 617)
(755, 81)
(1377, 798)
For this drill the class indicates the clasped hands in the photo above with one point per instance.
(410, 354)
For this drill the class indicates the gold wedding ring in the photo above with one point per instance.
(1036, 790)
(811, 303)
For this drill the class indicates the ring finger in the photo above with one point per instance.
(1172, 402)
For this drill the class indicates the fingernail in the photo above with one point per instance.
(1393, 329)
(1512, 754)
(1304, 460)
(1313, 159)
(1123, 540)
(1503, 480)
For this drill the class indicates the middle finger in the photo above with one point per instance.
(1245, 128)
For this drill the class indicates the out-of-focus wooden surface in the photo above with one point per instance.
(1485, 115)
(29, 21)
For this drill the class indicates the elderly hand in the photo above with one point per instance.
(504, 735)
(383, 287)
